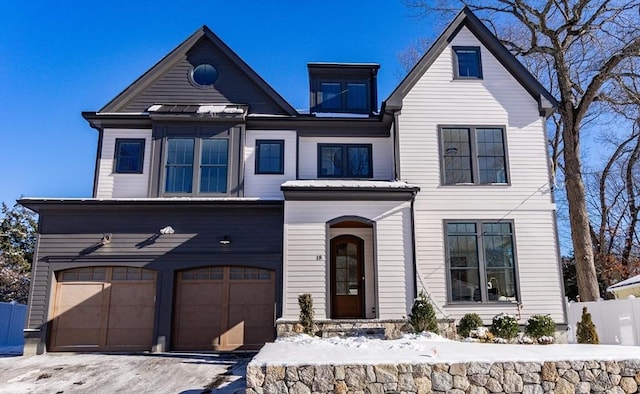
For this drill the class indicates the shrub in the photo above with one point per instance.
(504, 326)
(470, 321)
(423, 316)
(539, 326)
(586, 329)
(306, 313)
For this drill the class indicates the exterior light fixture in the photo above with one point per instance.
(225, 240)
(106, 238)
(167, 230)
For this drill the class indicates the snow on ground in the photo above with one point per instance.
(424, 348)
(185, 373)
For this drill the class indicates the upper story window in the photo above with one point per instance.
(344, 161)
(202, 162)
(344, 96)
(467, 62)
(473, 155)
(204, 74)
(481, 261)
(129, 156)
(343, 87)
(270, 157)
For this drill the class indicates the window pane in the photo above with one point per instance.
(331, 161)
(456, 150)
(269, 157)
(499, 260)
(179, 167)
(464, 269)
(213, 169)
(359, 165)
(129, 154)
(491, 157)
(357, 96)
(468, 62)
(330, 95)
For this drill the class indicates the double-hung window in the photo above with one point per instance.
(481, 261)
(467, 62)
(129, 156)
(473, 155)
(344, 161)
(270, 157)
(199, 162)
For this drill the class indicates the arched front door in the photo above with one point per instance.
(347, 277)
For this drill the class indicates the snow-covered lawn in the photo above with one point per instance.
(425, 348)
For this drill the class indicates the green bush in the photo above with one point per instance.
(469, 322)
(504, 326)
(540, 326)
(586, 329)
(423, 316)
(306, 313)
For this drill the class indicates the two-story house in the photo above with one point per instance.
(215, 203)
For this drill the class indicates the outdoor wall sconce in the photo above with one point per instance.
(225, 240)
(106, 238)
(167, 230)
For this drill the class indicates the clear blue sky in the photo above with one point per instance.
(58, 58)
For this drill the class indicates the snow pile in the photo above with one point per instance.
(425, 348)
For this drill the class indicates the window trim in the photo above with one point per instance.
(197, 164)
(456, 65)
(257, 155)
(116, 157)
(343, 146)
(475, 171)
(481, 263)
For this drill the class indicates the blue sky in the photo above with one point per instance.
(59, 58)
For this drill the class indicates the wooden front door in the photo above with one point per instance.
(347, 277)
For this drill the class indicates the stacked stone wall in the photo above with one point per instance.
(559, 377)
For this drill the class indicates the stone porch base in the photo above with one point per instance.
(386, 328)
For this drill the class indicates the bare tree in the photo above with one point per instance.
(581, 50)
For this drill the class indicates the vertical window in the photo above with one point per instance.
(467, 62)
(179, 165)
(344, 161)
(331, 95)
(269, 157)
(213, 165)
(481, 262)
(357, 97)
(473, 155)
(129, 155)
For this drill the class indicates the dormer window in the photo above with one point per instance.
(343, 88)
(467, 63)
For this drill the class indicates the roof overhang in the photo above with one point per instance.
(348, 190)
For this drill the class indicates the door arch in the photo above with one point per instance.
(347, 277)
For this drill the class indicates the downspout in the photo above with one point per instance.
(413, 246)
(396, 147)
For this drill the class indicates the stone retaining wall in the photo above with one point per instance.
(559, 377)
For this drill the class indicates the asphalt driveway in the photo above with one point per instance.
(184, 373)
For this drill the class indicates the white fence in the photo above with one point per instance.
(617, 321)
(12, 321)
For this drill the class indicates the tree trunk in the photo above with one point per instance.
(578, 216)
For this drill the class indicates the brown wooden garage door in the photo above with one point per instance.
(103, 308)
(223, 308)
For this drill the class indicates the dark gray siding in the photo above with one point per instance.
(232, 85)
(70, 237)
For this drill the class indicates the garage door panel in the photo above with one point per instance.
(92, 312)
(194, 291)
(247, 293)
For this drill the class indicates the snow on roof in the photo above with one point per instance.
(347, 183)
(423, 348)
(634, 280)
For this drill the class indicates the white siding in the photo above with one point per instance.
(112, 185)
(268, 185)
(496, 100)
(381, 151)
(305, 238)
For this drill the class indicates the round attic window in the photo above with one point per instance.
(204, 74)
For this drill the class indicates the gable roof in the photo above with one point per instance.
(173, 57)
(466, 18)
(627, 283)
